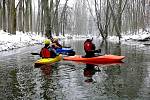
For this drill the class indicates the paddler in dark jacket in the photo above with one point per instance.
(47, 51)
(55, 43)
(89, 48)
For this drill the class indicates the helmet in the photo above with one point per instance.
(47, 41)
(89, 40)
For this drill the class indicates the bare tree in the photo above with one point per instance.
(0, 15)
(103, 18)
(117, 17)
(80, 18)
(63, 18)
(20, 17)
(13, 16)
(4, 15)
(55, 20)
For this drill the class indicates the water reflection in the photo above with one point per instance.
(46, 69)
(20, 80)
(89, 71)
(46, 82)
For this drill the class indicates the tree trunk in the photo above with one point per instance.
(27, 16)
(48, 18)
(23, 24)
(9, 16)
(0, 16)
(56, 19)
(30, 26)
(4, 15)
(20, 17)
(13, 13)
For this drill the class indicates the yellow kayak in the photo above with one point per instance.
(43, 61)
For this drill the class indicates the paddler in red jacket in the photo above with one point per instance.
(89, 48)
(47, 51)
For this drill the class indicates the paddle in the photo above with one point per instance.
(64, 55)
(66, 46)
(35, 53)
(97, 51)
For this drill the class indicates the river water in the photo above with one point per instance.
(66, 80)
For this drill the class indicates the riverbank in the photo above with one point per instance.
(10, 42)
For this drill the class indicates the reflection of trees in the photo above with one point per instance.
(9, 86)
(114, 82)
(133, 54)
(125, 82)
(110, 48)
(15, 85)
(117, 49)
(103, 45)
(119, 82)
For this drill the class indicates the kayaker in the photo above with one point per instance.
(47, 51)
(89, 48)
(55, 43)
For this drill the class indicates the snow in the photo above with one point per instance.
(141, 35)
(10, 42)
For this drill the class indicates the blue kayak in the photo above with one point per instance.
(66, 51)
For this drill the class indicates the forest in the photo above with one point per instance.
(99, 17)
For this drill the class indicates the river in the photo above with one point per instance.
(67, 80)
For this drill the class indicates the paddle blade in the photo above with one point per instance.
(35, 53)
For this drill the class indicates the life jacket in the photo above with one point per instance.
(88, 46)
(45, 53)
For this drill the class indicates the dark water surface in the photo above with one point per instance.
(65, 80)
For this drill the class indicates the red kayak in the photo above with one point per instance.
(98, 60)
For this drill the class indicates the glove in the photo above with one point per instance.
(98, 51)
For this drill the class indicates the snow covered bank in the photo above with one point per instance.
(9, 42)
(140, 36)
